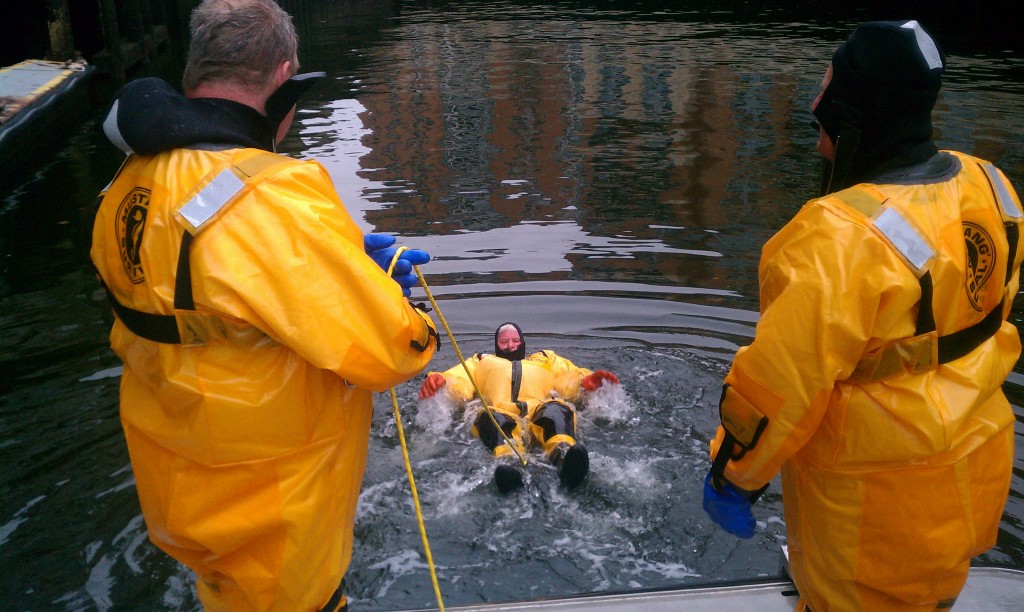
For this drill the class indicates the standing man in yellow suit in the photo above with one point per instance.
(874, 378)
(253, 318)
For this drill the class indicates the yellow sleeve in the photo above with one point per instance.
(566, 374)
(460, 388)
(824, 278)
(290, 260)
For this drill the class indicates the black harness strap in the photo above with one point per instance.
(925, 311)
(1013, 238)
(158, 328)
(337, 602)
(517, 383)
(956, 345)
(164, 328)
(183, 278)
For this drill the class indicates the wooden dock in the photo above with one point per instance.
(54, 54)
(41, 103)
(29, 87)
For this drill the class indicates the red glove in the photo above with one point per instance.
(431, 385)
(598, 378)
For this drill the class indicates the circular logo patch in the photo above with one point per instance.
(131, 220)
(980, 261)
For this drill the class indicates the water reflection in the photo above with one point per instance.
(607, 182)
(603, 173)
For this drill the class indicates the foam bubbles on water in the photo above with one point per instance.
(637, 477)
(471, 411)
(404, 563)
(434, 414)
(448, 493)
(608, 403)
(377, 499)
(663, 569)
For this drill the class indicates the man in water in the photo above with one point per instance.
(253, 318)
(535, 390)
(874, 378)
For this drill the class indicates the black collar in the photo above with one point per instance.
(149, 117)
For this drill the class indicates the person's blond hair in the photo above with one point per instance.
(240, 42)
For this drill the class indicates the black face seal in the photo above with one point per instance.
(877, 108)
(516, 355)
(287, 95)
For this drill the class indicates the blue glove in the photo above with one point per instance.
(729, 508)
(379, 248)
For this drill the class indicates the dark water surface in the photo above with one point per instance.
(601, 174)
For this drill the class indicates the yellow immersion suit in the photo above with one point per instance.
(895, 465)
(248, 440)
(545, 377)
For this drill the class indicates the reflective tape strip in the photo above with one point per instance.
(1002, 192)
(904, 238)
(211, 198)
(925, 44)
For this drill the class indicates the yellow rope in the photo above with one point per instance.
(416, 501)
(401, 430)
(408, 472)
(462, 360)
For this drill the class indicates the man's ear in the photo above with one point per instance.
(282, 73)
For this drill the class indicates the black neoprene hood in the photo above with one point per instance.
(885, 81)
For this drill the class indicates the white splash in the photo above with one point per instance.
(636, 478)
(434, 414)
(404, 563)
(608, 403)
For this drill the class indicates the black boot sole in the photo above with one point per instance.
(575, 466)
(508, 478)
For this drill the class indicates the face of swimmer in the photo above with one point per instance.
(508, 342)
(509, 339)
